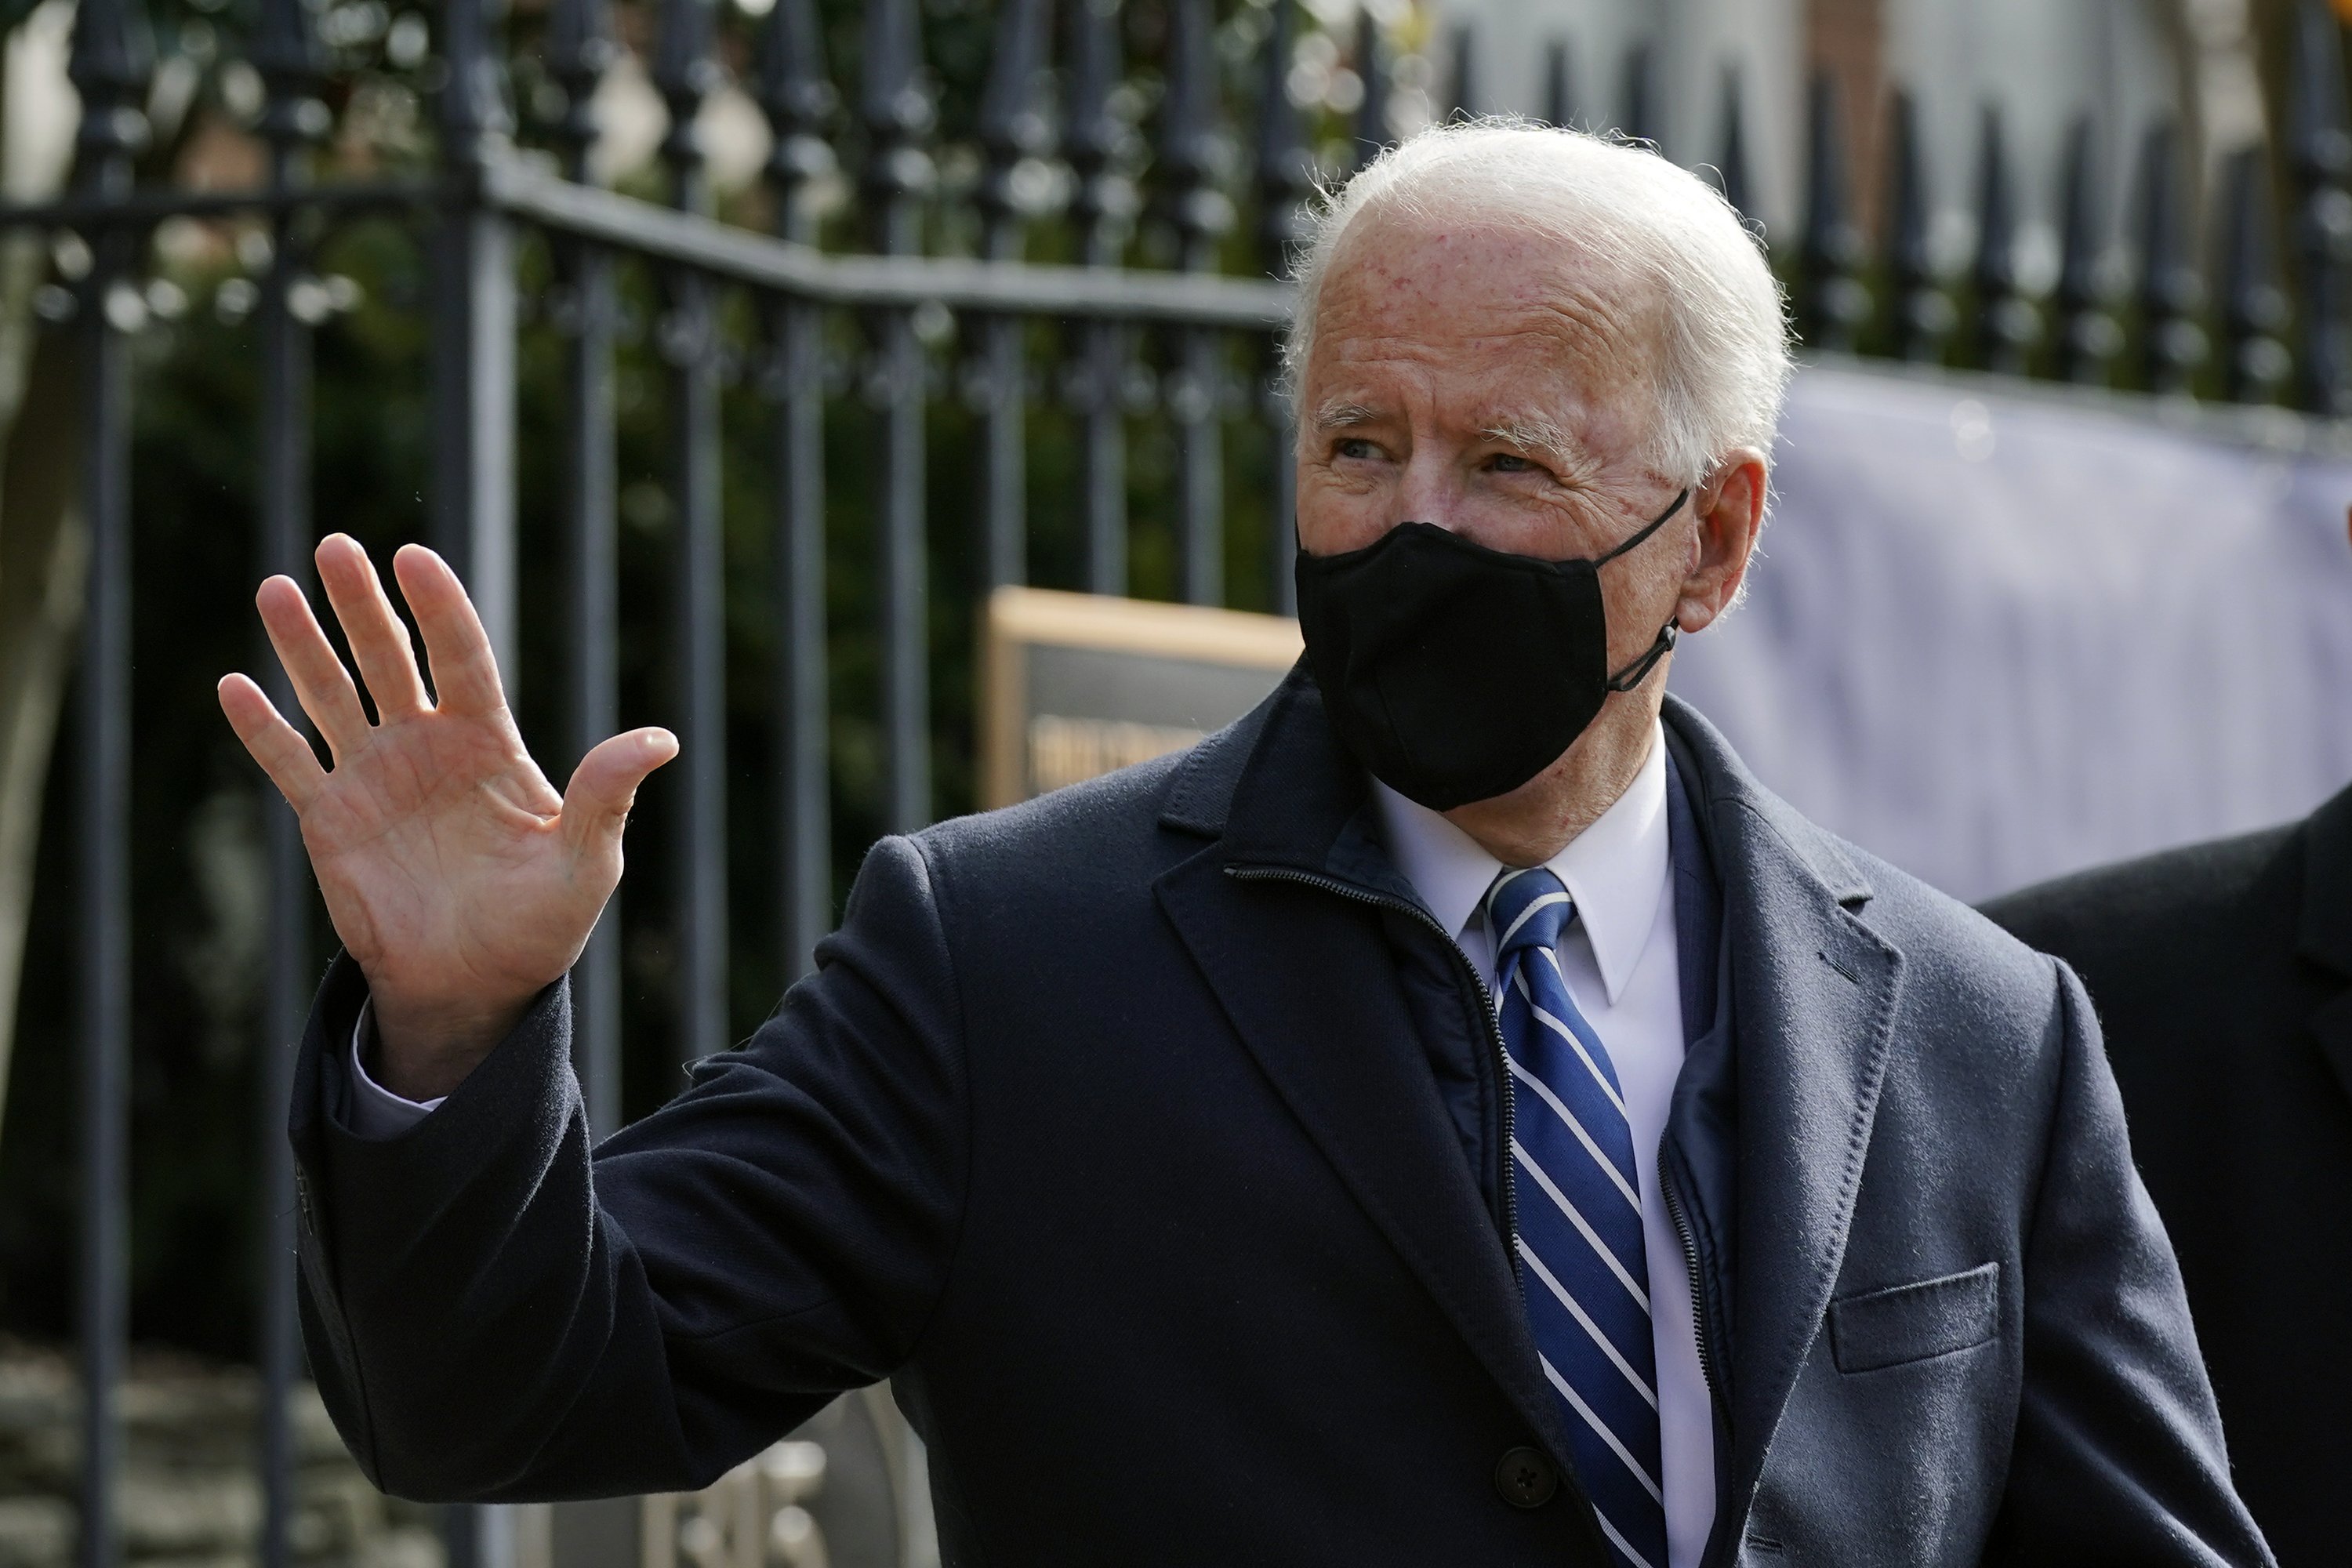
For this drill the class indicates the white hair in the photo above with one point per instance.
(1723, 367)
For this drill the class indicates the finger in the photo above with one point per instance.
(320, 682)
(378, 641)
(277, 745)
(605, 785)
(465, 671)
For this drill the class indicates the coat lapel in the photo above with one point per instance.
(1329, 1026)
(2324, 936)
(1814, 993)
(1305, 976)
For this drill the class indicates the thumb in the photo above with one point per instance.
(605, 785)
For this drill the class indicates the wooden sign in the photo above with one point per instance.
(1073, 685)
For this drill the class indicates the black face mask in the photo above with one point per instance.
(1456, 672)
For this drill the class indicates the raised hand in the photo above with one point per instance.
(457, 877)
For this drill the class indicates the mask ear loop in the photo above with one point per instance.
(1648, 529)
(1633, 674)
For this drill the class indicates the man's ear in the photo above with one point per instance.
(1729, 505)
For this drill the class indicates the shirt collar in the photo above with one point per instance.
(1615, 870)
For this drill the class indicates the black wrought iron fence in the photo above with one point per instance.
(2218, 329)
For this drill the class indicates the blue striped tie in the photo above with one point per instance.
(1583, 1266)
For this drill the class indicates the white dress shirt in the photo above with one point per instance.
(375, 1110)
(1620, 959)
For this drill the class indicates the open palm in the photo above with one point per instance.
(457, 879)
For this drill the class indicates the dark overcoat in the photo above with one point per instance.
(2223, 976)
(1108, 1129)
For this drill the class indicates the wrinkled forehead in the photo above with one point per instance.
(1473, 298)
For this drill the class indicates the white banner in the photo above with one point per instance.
(1995, 637)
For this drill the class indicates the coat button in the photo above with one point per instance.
(1526, 1478)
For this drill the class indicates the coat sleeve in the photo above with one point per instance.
(495, 1313)
(2119, 1456)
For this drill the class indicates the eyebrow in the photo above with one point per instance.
(1343, 416)
(1533, 433)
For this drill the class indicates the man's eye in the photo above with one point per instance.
(1510, 463)
(1356, 447)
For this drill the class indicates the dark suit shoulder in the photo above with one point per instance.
(2120, 916)
(1084, 847)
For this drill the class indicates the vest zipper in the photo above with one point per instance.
(1510, 1188)
(1690, 1256)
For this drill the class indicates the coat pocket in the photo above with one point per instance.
(1911, 1322)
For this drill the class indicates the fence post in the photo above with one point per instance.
(109, 65)
(579, 48)
(799, 99)
(1104, 201)
(286, 53)
(1192, 155)
(1015, 134)
(2087, 335)
(1830, 300)
(1642, 99)
(1731, 176)
(2172, 345)
(1559, 85)
(1922, 315)
(897, 113)
(2255, 363)
(2319, 159)
(474, 333)
(1372, 135)
(1462, 87)
(1286, 184)
(2006, 322)
(685, 74)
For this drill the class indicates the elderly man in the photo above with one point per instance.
(1454, 1115)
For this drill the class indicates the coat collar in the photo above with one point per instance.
(1814, 996)
(1308, 980)
(2323, 936)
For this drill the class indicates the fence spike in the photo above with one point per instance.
(684, 73)
(1922, 314)
(1286, 168)
(1731, 174)
(1097, 138)
(2254, 363)
(1559, 84)
(1094, 133)
(897, 111)
(1830, 299)
(1461, 85)
(2319, 163)
(1191, 157)
(1192, 151)
(2087, 335)
(1372, 66)
(1014, 130)
(2171, 294)
(1285, 185)
(2006, 324)
(472, 110)
(286, 53)
(1642, 92)
(111, 56)
(799, 99)
(580, 49)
